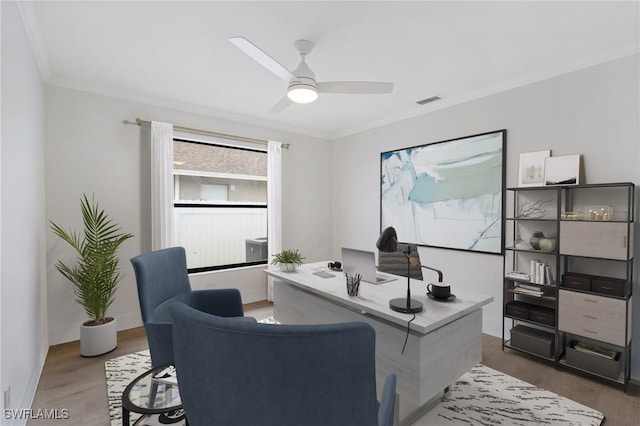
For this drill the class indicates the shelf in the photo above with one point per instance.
(552, 327)
(507, 344)
(596, 258)
(595, 221)
(542, 297)
(621, 377)
(570, 187)
(519, 281)
(603, 249)
(531, 250)
(534, 188)
(533, 219)
(591, 293)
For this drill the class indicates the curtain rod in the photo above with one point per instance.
(140, 122)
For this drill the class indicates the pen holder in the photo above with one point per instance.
(353, 283)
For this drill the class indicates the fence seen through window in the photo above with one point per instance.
(220, 205)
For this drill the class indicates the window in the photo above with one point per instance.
(220, 204)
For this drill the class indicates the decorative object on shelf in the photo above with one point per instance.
(535, 239)
(428, 186)
(95, 274)
(571, 216)
(289, 260)
(563, 170)
(599, 213)
(388, 241)
(531, 168)
(547, 244)
(533, 209)
(353, 283)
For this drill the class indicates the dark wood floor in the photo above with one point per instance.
(79, 385)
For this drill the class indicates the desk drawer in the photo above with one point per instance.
(597, 317)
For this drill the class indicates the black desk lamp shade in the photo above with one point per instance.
(388, 242)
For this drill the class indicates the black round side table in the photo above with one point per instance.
(154, 394)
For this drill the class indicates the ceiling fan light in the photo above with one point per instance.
(302, 93)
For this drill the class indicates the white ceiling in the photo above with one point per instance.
(178, 54)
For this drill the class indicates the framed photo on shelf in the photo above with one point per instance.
(562, 170)
(531, 168)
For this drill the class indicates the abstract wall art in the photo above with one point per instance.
(447, 194)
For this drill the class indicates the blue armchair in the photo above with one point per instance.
(162, 280)
(236, 373)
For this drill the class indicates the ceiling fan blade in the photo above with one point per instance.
(262, 58)
(280, 105)
(354, 87)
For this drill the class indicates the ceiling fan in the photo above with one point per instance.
(303, 87)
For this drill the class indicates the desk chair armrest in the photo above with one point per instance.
(225, 302)
(386, 409)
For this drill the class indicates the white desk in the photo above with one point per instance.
(445, 339)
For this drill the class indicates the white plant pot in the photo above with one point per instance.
(98, 339)
(288, 267)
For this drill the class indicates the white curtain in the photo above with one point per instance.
(161, 185)
(274, 204)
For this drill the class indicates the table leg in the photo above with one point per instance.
(125, 417)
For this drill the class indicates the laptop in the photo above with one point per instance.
(364, 263)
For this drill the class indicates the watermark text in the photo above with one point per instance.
(36, 414)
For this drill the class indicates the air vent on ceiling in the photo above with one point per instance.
(428, 100)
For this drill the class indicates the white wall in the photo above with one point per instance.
(593, 112)
(22, 255)
(90, 150)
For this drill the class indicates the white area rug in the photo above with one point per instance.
(482, 397)
(487, 397)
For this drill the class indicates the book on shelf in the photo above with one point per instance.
(595, 350)
(518, 275)
(548, 275)
(537, 292)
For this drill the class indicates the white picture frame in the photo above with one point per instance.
(531, 169)
(562, 170)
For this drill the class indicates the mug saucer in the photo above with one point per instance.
(448, 299)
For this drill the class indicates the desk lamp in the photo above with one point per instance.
(388, 242)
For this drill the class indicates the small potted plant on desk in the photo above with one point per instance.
(289, 260)
(94, 275)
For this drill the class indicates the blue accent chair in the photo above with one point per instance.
(236, 373)
(162, 280)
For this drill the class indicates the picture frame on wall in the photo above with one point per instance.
(447, 194)
(563, 170)
(531, 168)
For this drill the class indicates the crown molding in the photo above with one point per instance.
(32, 28)
(181, 106)
(502, 86)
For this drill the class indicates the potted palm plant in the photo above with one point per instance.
(289, 260)
(95, 274)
